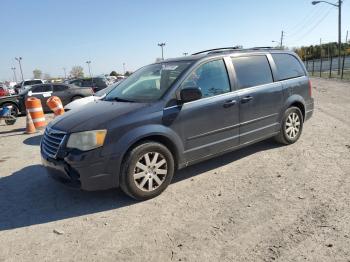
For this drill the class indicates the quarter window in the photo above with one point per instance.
(210, 77)
(287, 66)
(252, 71)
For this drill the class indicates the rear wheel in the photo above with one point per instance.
(147, 170)
(291, 126)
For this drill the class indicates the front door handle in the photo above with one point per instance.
(246, 99)
(229, 103)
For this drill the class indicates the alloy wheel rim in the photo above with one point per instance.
(293, 125)
(150, 171)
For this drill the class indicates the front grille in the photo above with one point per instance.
(51, 142)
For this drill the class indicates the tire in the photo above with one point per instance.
(10, 121)
(14, 110)
(154, 173)
(291, 126)
(76, 98)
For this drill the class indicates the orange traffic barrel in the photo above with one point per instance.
(55, 104)
(35, 109)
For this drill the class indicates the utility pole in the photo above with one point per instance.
(339, 34)
(320, 57)
(342, 68)
(339, 26)
(282, 36)
(20, 65)
(162, 46)
(65, 75)
(88, 63)
(14, 74)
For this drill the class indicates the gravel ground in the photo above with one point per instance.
(263, 203)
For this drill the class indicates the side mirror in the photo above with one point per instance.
(190, 94)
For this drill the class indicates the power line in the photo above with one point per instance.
(307, 25)
(306, 20)
(315, 25)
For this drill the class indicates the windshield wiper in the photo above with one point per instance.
(118, 99)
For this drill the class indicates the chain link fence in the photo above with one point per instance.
(328, 67)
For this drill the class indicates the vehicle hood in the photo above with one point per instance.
(80, 102)
(95, 115)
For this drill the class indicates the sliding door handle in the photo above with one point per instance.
(229, 103)
(246, 99)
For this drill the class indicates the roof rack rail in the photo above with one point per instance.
(236, 49)
(263, 47)
(217, 49)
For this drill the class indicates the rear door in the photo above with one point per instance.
(260, 98)
(62, 91)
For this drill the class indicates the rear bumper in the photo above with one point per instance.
(80, 173)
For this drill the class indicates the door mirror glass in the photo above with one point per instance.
(189, 94)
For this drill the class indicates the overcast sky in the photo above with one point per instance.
(50, 35)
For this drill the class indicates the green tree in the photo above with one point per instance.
(37, 73)
(127, 73)
(77, 71)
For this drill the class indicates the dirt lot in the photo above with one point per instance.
(262, 203)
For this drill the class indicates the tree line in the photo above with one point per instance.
(324, 50)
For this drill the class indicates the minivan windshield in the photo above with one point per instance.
(149, 83)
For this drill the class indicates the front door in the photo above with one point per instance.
(62, 91)
(209, 125)
(260, 98)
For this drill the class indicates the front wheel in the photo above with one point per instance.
(147, 170)
(291, 126)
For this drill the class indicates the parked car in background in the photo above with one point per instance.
(178, 112)
(96, 83)
(11, 90)
(66, 92)
(97, 96)
(3, 91)
(24, 84)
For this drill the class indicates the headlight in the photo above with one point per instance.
(87, 140)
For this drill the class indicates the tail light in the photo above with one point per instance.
(310, 88)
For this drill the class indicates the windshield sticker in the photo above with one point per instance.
(169, 67)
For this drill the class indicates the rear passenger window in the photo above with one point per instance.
(211, 78)
(287, 66)
(252, 71)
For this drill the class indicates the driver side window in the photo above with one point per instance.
(211, 78)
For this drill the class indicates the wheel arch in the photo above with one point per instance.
(297, 101)
(11, 102)
(159, 138)
(157, 133)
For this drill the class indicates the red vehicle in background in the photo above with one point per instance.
(3, 91)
